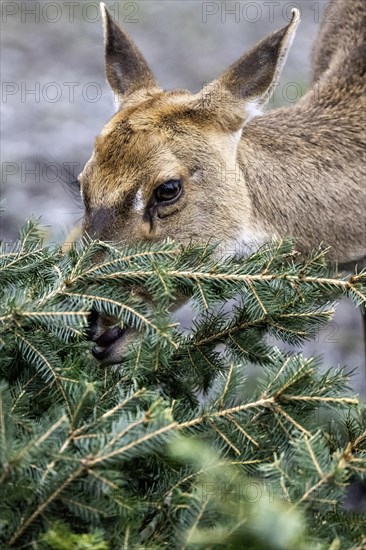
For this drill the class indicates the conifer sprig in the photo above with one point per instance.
(164, 449)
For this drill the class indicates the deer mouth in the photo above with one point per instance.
(105, 343)
(108, 341)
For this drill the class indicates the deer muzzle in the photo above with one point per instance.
(110, 341)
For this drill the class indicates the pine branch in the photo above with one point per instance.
(160, 450)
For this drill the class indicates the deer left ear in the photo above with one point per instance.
(126, 68)
(250, 81)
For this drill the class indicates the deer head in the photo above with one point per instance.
(166, 164)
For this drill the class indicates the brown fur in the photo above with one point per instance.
(291, 172)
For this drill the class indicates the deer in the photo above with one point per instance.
(215, 164)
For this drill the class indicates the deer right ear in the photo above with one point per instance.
(126, 68)
(249, 82)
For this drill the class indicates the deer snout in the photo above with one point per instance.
(105, 342)
(110, 341)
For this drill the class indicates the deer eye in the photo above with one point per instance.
(169, 191)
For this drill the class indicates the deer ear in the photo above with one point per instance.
(250, 81)
(126, 68)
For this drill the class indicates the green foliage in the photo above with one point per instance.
(61, 538)
(171, 448)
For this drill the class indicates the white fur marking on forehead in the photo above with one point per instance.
(138, 203)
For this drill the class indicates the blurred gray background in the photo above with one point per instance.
(55, 99)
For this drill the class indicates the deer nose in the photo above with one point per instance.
(100, 350)
(101, 332)
(109, 336)
(103, 338)
(98, 223)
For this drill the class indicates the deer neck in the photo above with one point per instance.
(295, 163)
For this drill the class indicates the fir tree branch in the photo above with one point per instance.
(50, 368)
(359, 439)
(195, 524)
(225, 438)
(101, 458)
(233, 410)
(25, 523)
(73, 278)
(122, 434)
(241, 429)
(124, 306)
(259, 322)
(320, 399)
(288, 417)
(345, 285)
(313, 457)
(311, 490)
